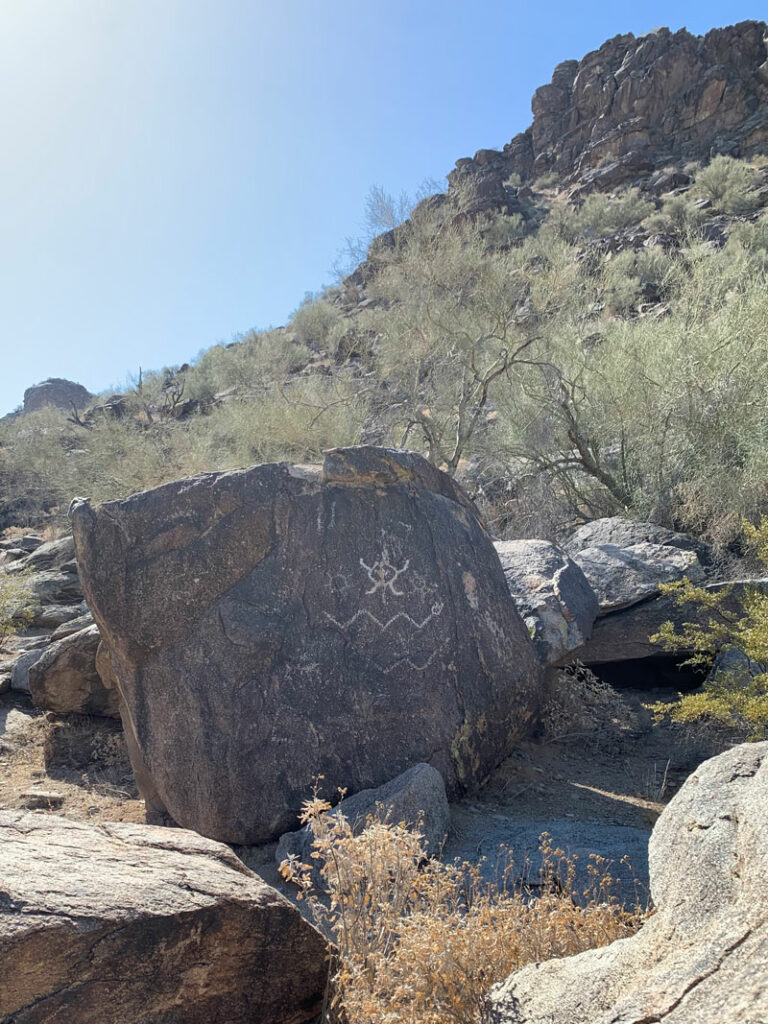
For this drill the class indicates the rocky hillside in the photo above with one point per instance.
(571, 343)
(632, 106)
(521, 330)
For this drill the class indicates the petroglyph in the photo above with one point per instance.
(383, 575)
(436, 609)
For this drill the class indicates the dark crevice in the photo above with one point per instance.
(650, 674)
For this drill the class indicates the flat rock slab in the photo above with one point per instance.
(270, 625)
(624, 576)
(133, 924)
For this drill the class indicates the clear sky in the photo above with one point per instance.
(176, 171)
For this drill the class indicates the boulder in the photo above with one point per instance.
(138, 925)
(56, 392)
(416, 797)
(625, 635)
(21, 667)
(65, 679)
(72, 626)
(6, 673)
(54, 554)
(702, 958)
(551, 593)
(627, 532)
(270, 625)
(733, 667)
(623, 576)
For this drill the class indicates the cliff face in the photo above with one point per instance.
(633, 105)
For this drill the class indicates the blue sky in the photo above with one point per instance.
(176, 171)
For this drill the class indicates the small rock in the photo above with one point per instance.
(41, 801)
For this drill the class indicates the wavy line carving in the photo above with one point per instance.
(408, 662)
(384, 626)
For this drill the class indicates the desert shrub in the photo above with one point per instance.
(314, 322)
(601, 213)
(251, 365)
(15, 599)
(580, 708)
(678, 217)
(423, 941)
(751, 235)
(729, 184)
(733, 699)
(549, 180)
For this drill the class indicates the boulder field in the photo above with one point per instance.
(267, 626)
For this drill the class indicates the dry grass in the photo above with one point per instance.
(580, 708)
(422, 942)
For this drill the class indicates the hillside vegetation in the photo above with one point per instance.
(577, 357)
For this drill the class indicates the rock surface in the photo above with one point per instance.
(56, 609)
(269, 625)
(142, 925)
(623, 576)
(56, 392)
(733, 667)
(552, 594)
(64, 678)
(416, 797)
(702, 958)
(634, 104)
(626, 532)
(20, 670)
(625, 635)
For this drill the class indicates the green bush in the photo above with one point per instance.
(15, 598)
(729, 185)
(732, 699)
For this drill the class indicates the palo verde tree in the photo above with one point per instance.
(449, 321)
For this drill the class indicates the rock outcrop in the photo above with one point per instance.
(625, 635)
(702, 958)
(552, 594)
(623, 576)
(138, 925)
(269, 625)
(65, 679)
(56, 392)
(416, 798)
(635, 104)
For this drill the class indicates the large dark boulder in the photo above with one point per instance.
(272, 624)
(131, 924)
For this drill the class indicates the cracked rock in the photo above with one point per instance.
(133, 924)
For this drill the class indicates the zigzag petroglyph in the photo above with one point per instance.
(408, 662)
(384, 626)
